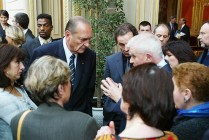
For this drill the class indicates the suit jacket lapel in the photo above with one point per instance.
(119, 65)
(61, 51)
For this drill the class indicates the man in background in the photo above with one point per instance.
(22, 20)
(115, 67)
(184, 30)
(162, 32)
(204, 42)
(44, 27)
(144, 26)
(173, 27)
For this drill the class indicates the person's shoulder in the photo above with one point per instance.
(115, 55)
(49, 46)
(185, 124)
(78, 114)
(30, 43)
(90, 51)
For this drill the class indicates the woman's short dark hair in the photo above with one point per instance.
(149, 92)
(7, 54)
(181, 50)
(4, 13)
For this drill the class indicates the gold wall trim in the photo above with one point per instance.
(197, 15)
(1, 4)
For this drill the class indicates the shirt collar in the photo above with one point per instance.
(43, 40)
(162, 63)
(25, 31)
(68, 53)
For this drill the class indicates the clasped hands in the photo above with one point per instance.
(111, 89)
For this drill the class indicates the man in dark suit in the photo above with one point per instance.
(143, 48)
(204, 42)
(115, 67)
(76, 43)
(173, 27)
(184, 30)
(22, 20)
(44, 26)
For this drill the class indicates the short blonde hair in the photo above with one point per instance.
(44, 76)
(195, 77)
(16, 34)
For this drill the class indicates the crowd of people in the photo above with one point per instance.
(154, 88)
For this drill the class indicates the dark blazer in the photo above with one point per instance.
(85, 75)
(173, 31)
(202, 57)
(28, 48)
(190, 128)
(54, 123)
(113, 69)
(206, 135)
(168, 69)
(185, 30)
(2, 35)
(29, 36)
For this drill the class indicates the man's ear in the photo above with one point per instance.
(187, 94)
(148, 57)
(168, 36)
(60, 91)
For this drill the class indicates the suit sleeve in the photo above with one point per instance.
(91, 129)
(91, 86)
(107, 69)
(26, 61)
(106, 74)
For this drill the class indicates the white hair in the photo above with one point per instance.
(146, 43)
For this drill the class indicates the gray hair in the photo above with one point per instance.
(146, 43)
(44, 76)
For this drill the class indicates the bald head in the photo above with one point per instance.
(162, 32)
(74, 21)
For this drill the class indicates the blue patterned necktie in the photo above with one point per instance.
(72, 69)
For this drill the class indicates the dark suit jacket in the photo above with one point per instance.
(85, 75)
(185, 30)
(28, 48)
(113, 69)
(55, 123)
(202, 56)
(173, 31)
(29, 36)
(2, 35)
(206, 135)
